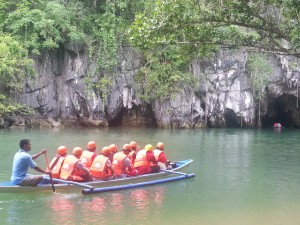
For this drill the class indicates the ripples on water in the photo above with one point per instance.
(244, 177)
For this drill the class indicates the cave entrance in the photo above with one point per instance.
(231, 119)
(117, 120)
(135, 117)
(282, 110)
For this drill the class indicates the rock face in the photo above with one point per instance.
(223, 98)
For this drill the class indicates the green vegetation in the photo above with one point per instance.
(260, 70)
(7, 106)
(170, 33)
(202, 26)
(39, 26)
(14, 63)
(198, 28)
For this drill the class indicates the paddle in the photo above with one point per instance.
(175, 172)
(50, 175)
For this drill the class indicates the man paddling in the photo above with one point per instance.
(22, 162)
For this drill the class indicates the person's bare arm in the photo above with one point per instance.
(41, 170)
(38, 154)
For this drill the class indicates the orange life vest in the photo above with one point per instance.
(67, 171)
(98, 166)
(56, 169)
(130, 155)
(118, 162)
(141, 159)
(156, 153)
(87, 158)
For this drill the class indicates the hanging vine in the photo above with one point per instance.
(259, 71)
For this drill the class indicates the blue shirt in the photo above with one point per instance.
(22, 161)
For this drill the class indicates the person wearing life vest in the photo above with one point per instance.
(73, 169)
(122, 164)
(145, 161)
(160, 155)
(57, 161)
(101, 168)
(113, 150)
(87, 157)
(135, 149)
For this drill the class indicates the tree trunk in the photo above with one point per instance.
(297, 89)
(206, 104)
(259, 121)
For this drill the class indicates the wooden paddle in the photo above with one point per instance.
(50, 175)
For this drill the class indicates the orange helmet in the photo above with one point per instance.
(77, 151)
(91, 145)
(113, 148)
(160, 145)
(127, 147)
(61, 150)
(133, 144)
(106, 150)
(149, 147)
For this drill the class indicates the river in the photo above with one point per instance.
(243, 177)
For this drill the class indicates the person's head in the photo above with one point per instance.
(77, 151)
(91, 146)
(61, 150)
(106, 151)
(133, 145)
(113, 148)
(126, 149)
(149, 147)
(25, 144)
(160, 146)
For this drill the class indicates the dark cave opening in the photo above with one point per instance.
(231, 119)
(117, 121)
(135, 117)
(282, 110)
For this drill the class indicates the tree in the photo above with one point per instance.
(204, 26)
(14, 67)
(40, 26)
(14, 64)
(199, 28)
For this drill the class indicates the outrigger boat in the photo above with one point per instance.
(92, 187)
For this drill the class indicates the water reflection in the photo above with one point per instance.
(63, 209)
(117, 202)
(125, 207)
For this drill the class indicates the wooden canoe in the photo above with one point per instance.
(101, 186)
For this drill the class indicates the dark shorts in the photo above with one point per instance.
(31, 180)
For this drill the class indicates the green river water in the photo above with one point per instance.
(243, 177)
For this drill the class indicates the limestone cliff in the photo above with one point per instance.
(223, 99)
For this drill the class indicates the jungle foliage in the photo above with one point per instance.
(199, 28)
(205, 25)
(170, 33)
(34, 27)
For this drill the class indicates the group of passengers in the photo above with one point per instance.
(86, 165)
